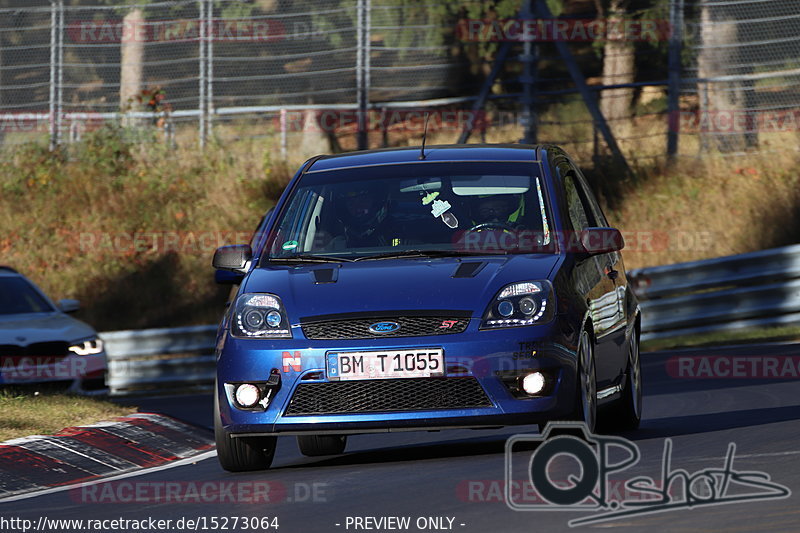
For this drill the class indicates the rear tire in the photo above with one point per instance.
(317, 445)
(241, 454)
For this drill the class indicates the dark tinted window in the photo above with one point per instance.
(442, 207)
(18, 296)
(579, 214)
(600, 218)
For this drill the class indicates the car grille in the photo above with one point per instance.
(37, 353)
(358, 328)
(384, 395)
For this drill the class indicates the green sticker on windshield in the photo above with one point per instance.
(290, 245)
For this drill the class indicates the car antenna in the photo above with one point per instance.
(424, 134)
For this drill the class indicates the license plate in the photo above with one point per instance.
(389, 364)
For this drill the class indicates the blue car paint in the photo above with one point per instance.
(419, 284)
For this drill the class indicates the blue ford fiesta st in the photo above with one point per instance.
(396, 290)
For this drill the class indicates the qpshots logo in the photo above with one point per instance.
(600, 458)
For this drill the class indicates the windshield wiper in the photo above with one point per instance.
(428, 253)
(311, 258)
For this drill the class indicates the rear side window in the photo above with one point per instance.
(17, 296)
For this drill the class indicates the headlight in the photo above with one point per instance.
(520, 304)
(260, 315)
(90, 347)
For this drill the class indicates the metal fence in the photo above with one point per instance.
(68, 66)
(742, 70)
(712, 75)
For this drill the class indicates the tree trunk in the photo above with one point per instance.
(722, 103)
(618, 68)
(131, 58)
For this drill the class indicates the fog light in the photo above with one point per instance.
(533, 383)
(247, 395)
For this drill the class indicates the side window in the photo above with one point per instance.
(593, 204)
(580, 217)
(293, 232)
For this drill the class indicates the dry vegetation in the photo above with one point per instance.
(68, 219)
(129, 228)
(23, 413)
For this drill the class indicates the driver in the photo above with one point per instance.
(501, 209)
(362, 210)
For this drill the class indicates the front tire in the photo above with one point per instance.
(241, 454)
(317, 445)
(585, 409)
(626, 413)
(586, 393)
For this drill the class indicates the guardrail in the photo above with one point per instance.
(168, 360)
(727, 293)
(758, 289)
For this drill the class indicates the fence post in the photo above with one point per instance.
(53, 61)
(60, 86)
(362, 70)
(530, 61)
(201, 98)
(673, 105)
(210, 67)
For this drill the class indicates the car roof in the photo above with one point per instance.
(433, 153)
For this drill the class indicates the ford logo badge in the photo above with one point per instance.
(384, 327)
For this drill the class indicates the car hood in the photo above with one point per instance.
(42, 327)
(463, 284)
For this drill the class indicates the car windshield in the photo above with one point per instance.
(421, 209)
(17, 296)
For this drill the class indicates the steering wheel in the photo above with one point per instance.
(491, 225)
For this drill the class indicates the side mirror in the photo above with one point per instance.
(602, 240)
(235, 257)
(69, 306)
(227, 277)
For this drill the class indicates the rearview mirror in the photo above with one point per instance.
(602, 240)
(235, 257)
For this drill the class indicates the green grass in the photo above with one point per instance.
(722, 338)
(41, 411)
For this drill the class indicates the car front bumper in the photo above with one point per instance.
(492, 357)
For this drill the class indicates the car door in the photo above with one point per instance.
(591, 275)
(614, 268)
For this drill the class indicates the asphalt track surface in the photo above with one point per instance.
(459, 474)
